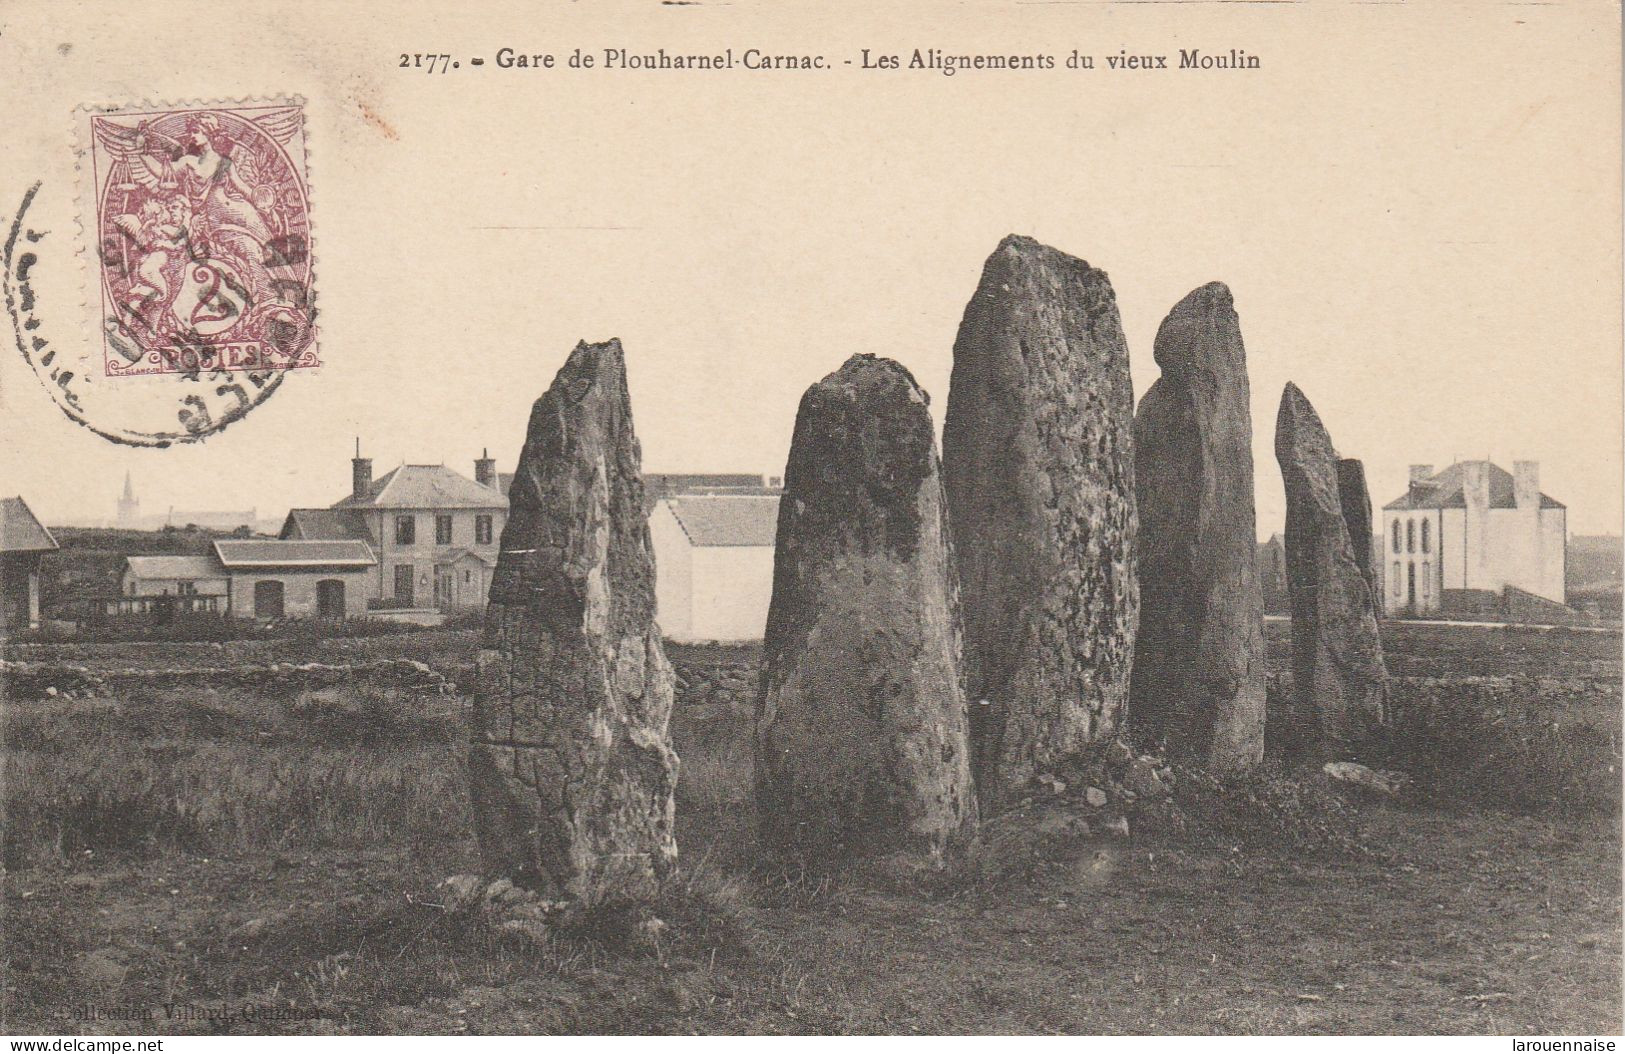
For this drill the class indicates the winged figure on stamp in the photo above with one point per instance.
(206, 220)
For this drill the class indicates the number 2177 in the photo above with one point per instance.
(427, 63)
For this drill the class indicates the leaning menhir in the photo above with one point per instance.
(1039, 468)
(1198, 681)
(1340, 685)
(571, 770)
(1355, 499)
(861, 741)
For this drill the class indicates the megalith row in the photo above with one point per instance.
(942, 631)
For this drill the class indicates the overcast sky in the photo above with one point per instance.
(1416, 210)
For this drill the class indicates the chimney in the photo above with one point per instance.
(485, 470)
(1526, 484)
(1421, 473)
(360, 473)
(1475, 484)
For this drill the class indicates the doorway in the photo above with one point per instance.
(268, 599)
(330, 598)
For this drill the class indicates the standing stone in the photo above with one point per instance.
(1356, 502)
(570, 766)
(1039, 466)
(1340, 686)
(861, 732)
(1198, 682)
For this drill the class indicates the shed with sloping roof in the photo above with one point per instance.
(272, 579)
(23, 541)
(714, 565)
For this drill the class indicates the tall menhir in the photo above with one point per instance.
(861, 742)
(570, 763)
(1199, 656)
(1039, 467)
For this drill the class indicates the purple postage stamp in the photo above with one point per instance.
(203, 242)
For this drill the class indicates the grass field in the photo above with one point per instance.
(223, 861)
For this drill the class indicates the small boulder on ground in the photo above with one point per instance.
(1384, 782)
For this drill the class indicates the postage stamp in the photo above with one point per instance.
(202, 253)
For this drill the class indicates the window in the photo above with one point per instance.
(406, 530)
(1427, 579)
(1410, 584)
(1396, 536)
(1410, 536)
(442, 530)
(1398, 588)
(1426, 524)
(468, 576)
(482, 530)
(186, 589)
(403, 584)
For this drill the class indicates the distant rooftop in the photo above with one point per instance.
(424, 487)
(727, 519)
(180, 568)
(325, 525)
(248, 554)
(1444, 490)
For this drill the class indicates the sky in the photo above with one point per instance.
(1417, 209)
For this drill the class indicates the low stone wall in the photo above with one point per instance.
(1523, 742)
(712, 730)
(726, 685)
(23, 680)
(1487, 690)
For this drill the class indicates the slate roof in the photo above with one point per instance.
(325, 525)
(1444, 490)
(242, 554)
(20, 530)
(179, 568)
(424, 487)
(727, 519)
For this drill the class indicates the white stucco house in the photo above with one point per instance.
(713, 565)
(1460, 539)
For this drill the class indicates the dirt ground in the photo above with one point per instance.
(236, 914)
(1468, 922)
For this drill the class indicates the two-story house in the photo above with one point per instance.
(1473, 539)
(435, 532)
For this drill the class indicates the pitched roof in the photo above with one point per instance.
(235, 554)
(452, 556)
(324, 525)
(424, 487)
(176, 567)
(727, 519)
(1444, 490)
(20, 530)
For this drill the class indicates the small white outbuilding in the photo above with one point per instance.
(713, 565)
